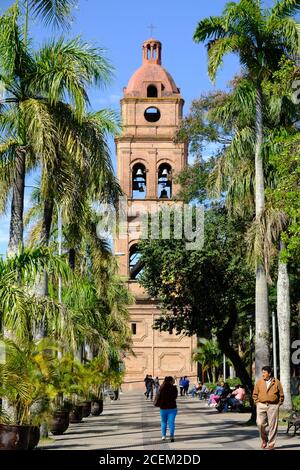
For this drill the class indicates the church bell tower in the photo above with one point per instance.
(148, 161)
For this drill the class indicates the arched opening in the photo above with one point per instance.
(135, 264)
(148, 52)
(139, 187)
(151, 91)
(164, 190)
(152, 114)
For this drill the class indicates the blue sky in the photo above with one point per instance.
(120, 27)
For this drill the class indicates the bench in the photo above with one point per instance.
(293, 420)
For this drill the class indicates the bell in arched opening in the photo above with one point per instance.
(139, 181)
(164, 190)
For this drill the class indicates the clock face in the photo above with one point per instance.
(152, 114)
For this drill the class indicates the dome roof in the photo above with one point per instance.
(147, 74)
(151, 72)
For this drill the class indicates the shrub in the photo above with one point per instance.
(296, 402)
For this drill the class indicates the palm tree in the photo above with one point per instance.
(233, 173)
(260, 38)
(21, 310)
(35, 84)
(15, 65)
(210, 358)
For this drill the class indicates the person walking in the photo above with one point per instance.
(156, 385)
(149, 387)
(145, 382)
(268, 396)
(186, 385)
(168, 408)
(181, 383)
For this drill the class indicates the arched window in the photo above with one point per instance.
(164, 190)
(135, 264)
(139, 188)
(151, 91)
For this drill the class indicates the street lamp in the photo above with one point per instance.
(59, 239)
(250, 345)
(224, 368)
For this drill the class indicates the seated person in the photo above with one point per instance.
(236, 398)
(224, 397)
(196, 389)
(203, 392)
(215, 396)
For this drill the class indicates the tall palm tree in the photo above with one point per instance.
(34, 84)
(234, 173)
(56, 12)
(260, 38)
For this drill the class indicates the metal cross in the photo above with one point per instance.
(151, 27)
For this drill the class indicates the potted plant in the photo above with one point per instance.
(60, 408)
(18, 391)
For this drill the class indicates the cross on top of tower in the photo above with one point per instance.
(151, 27)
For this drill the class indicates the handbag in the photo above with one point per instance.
(157, 400)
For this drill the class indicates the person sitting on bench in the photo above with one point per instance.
(236, 398)
(203, 392)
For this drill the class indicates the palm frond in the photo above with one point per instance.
(210, 28)
(65, 69)
(217, 50)
(284, 8)
(56, 12)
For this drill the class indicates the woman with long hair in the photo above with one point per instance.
(168, 408)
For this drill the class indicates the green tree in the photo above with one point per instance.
(204, 292)
(260, 38)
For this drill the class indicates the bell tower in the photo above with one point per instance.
(148, 161)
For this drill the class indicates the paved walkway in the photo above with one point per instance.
(133, 423)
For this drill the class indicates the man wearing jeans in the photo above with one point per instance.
(268, 396)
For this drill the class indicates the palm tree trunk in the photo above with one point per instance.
(41, 288)
(284, 322)
(41, 285)
(261, 287)
(17, 206)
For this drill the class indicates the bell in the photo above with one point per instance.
(164, 172)
(139, 173)
(141, 188)
(163, 194)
